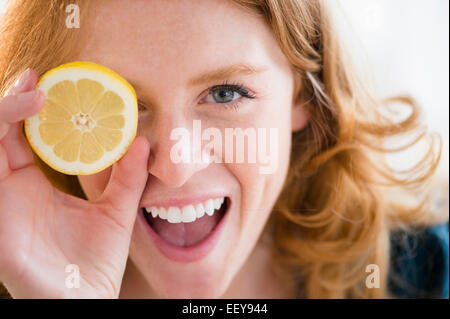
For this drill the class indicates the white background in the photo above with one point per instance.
(406, 45)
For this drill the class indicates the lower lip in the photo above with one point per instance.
(191, 253)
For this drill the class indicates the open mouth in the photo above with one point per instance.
(188, 225)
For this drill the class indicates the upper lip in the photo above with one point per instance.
(181, 201)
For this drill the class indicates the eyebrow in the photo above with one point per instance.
(224, 73)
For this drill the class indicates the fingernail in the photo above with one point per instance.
(19, 83)
(27, 96)
(22, 79)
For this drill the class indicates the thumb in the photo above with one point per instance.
(126, 184)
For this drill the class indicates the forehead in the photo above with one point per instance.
(176, 37)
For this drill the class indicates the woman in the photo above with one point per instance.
(309, 229)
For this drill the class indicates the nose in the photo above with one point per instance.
(175, 150)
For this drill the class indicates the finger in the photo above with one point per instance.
(127, 182)
(18, 104)
(19, 153)
(17, 107)
(26, 82)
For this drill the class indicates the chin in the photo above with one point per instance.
(206, 279)
(202, 286)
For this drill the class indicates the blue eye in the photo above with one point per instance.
(226, 94)
(220, 95)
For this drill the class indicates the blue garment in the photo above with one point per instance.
(420, 263)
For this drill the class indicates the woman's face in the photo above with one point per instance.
(174, 53)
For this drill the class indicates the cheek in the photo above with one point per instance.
(261, 183)
(94, 185)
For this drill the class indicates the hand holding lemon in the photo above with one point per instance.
(81, 120)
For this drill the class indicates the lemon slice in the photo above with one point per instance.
(88, 121)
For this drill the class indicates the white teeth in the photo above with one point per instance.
(217, 203)
(188, 213)
(200, 209)
(209, 207)
(162, 213)
(173, 215)
(154, 211)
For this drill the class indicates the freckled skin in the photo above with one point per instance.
(159, 46)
